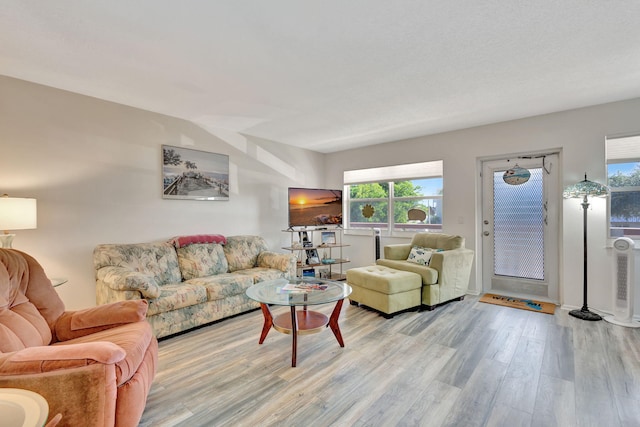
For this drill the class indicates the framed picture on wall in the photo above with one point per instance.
(194, 174)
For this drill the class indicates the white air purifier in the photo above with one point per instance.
(623, 283)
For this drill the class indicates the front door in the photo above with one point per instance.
(520, 227)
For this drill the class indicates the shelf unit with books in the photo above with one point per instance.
(319, 251)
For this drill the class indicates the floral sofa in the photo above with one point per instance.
(190, 280)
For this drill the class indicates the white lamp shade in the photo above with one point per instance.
(17, 213)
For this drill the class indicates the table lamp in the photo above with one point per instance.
(583, 190)
(16, 214)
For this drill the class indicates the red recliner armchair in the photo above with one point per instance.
(93, 366)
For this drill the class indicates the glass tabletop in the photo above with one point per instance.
(298, 291)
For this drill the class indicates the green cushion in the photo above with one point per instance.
(382, 279)
(429, 275)
(438, 241)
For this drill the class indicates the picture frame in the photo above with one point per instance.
(190, 174)
(304, 239)
(308, 272)
(328, 237)
(312, 256)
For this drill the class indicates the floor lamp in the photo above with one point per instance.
(583, 190)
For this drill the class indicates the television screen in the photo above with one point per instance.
(314, 207)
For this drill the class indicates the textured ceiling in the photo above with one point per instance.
(330, 75)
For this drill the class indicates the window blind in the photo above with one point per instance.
(623, 150)
(394, 173)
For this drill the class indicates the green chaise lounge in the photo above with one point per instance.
(446, 277)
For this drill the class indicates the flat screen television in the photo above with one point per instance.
(314, 207)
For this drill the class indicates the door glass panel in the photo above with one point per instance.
(519, 227)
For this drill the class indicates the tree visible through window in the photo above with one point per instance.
(376, 196)
(386, 204)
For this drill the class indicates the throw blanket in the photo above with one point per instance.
(182, 241)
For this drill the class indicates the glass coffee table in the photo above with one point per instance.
(302, 292)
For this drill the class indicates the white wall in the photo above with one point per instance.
(578, 134)
(95, 169)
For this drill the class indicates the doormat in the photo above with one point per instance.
(521, 303)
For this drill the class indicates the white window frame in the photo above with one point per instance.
(621, 149)
(389, 175)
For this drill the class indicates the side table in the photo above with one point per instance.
(22, 408)
(58, 281)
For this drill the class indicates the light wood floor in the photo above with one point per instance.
(463, 364)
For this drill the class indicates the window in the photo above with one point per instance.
(623, 178)
(395, 198)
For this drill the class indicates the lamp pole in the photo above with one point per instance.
(584, 313)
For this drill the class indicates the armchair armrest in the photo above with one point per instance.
(122, 279)
(74, 324)
(399, 252)
(84, 396)
(279, 261)
(454, 267)
(36, 360)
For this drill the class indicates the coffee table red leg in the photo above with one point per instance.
(268, 322)
(294, 334)
(333, 322)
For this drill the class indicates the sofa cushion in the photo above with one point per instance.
(21, 324)
(242, 251)
(224, 285)
(260, 274)
(158, 260)
(174, 296)
(201, 260)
